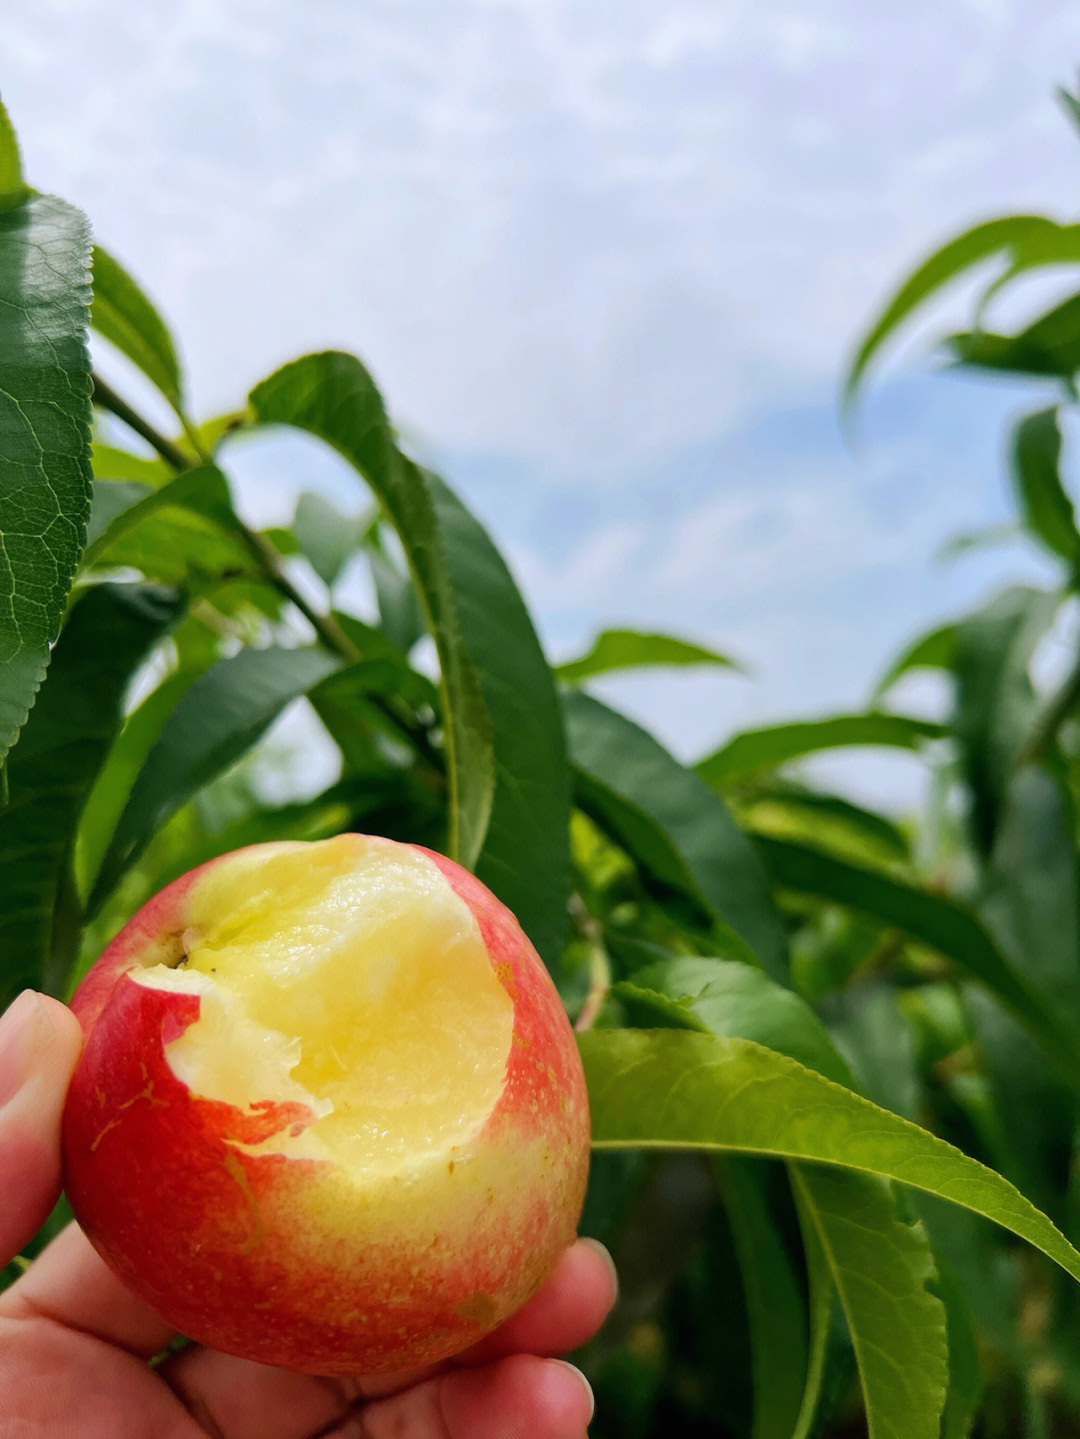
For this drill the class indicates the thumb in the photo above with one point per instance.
(40, 1042)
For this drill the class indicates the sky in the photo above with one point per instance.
(607, 262)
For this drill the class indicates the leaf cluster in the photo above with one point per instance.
(832, 1056)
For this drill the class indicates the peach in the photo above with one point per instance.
(330, 1114)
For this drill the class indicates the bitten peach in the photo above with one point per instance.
(330, 1113)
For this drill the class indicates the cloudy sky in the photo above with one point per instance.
(607, 261)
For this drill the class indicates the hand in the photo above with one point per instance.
(74, 1343)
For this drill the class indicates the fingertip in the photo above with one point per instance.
(601, 1253)
(520, 1395)
(40, 1042)
(36, 1034)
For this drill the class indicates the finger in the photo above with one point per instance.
(563, 1314)
(40, 1043)
(522, 1397)
(242, 1400)
(69, 1285)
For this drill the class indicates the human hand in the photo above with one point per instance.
(75, 1343)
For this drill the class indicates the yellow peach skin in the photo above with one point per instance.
(330, 1113)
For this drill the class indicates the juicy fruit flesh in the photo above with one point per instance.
(347, 976)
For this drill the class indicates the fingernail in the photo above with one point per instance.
(576, 1372)
(605, 1255)
(25, 1031)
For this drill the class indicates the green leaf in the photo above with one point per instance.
(996, 705)
(881, 1267)
(325, 535)
(935, 650)
(878, 1039)
(672, 1089)
(673, 825)
(44, 438)
(124, 316)
(111, 463)
(78, 713)
(821, 1303)
(727, 998)
(12, 185)
(1070, 103)
(966, 1383)
(1049, 346)
(203, 492)
(1021, 241)
(218, 718)
(117, 776)
(1034, 1113)
(1047, 510)
(630, 649)
(400, 615)
(774, 1302)
(1030, 896)
(332, 396)
(930, 919)
(756, 750)
(509, 782)
(109, 500)
(792, 811)
(872, 1256)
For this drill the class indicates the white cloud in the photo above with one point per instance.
(499, 204)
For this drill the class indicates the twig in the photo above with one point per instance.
(599, 965)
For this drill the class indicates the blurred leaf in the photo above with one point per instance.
(1049, 346)
(372, 804)
(210, 433)
(124, 315)
(407, 683)
(217, 719)
(787, 810)
(930, 919)
(174, 545)
(1022, 241)
(203, 491)
(672, 824)
(774, 1302)
(878, 1040)
(984, 538)
(44, 438)
(325, 535)
(676, 1089)
(1070, 103)
(12, 184)
(996, 704)
(630, 649)
(1047, 510)
(1030, 895)
(400, 615)
(509, 782)
(966, 1383)
(753, 751)
(881, 1267)
(1036, 1114)
(109, 500)
(935, 650)
(78, 713)
(117, 776)
(821, 1305)
(111, 463)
